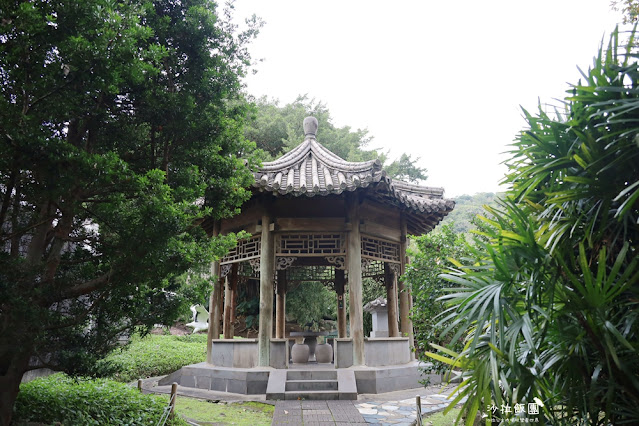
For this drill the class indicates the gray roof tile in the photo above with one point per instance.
(310, 169)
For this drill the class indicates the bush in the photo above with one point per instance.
(309, 303)
(433, 254)
(550, 297)
(59, 398)
(156, 355)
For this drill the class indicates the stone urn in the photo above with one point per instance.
(324, 353)
(300, 353)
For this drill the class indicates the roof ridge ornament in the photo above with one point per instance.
(310, 127)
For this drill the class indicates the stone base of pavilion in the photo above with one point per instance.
(234, 369)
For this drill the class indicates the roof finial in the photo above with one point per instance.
(310, 127)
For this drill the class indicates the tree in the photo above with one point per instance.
(431, 256)
(310, 302)
(629, 9)
(277, 129)
(467, 207)
(549, 303)
(121, 127)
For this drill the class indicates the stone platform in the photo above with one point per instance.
(255, 381)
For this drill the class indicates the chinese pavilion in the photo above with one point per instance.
(316, 217)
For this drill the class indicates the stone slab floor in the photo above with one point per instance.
(316, 413)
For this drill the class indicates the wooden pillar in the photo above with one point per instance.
(354, 265)
(226, 317)
(267, 268)
(390, 281)
(216, 294)
(280, 306)
(340, 281)
(229, 283)
(405, 323)
(233, 302)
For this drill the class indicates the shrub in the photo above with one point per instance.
(432, 254)
(59, 398)
(156, 355)
(550, 299)
(310, 302)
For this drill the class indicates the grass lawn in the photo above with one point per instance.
(209, 413)
(157, 355)
(441, 419)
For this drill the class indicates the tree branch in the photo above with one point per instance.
(86, 287)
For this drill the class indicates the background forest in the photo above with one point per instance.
(124, 125)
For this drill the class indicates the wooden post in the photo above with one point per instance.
(140, 385)
(228, 302)
(390, 281)
(173, 399)
(214, 324)
(280, 306)
(233, 279)
(405, 323)
(340, 282)
(354, 265)
(267, 267)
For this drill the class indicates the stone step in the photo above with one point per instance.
(311, 385)
(311, 375)
(314, 395)
(281, 381)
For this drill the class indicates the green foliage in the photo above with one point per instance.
(249, 308)
(210, 412)
(432, 254)
(550, 301)
(59, 398)
(155, 355)
(629, 9)
(467, 207)
(405, 169)
(440, 419)
(121, 129)
(310, 302)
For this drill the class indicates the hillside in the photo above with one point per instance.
(466, 208)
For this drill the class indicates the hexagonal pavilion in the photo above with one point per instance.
(316, 217)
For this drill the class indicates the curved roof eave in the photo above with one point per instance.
(310, 169)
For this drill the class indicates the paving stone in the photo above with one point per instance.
(366, 405)
(389, 407)
(290, 420)
(314, 411)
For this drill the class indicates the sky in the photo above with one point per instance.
(440, 80)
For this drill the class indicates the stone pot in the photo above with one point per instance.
(300, 353)
(324, 353)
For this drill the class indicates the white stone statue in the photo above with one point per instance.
(200, 318)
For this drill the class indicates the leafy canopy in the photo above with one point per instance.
(547, 308)
(431, 255)
(121, 128)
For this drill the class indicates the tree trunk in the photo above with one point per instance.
(14, 362)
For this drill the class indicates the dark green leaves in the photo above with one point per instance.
(549, 302)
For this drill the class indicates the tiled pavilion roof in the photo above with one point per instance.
(310, 169)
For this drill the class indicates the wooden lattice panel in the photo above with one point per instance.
(249, 271)
(310, 244)
(378, 249)
(310, 273)
(372, 268)
(250, 248)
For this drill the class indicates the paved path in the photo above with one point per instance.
(392, 408)
(316, 413)
(401, 409)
